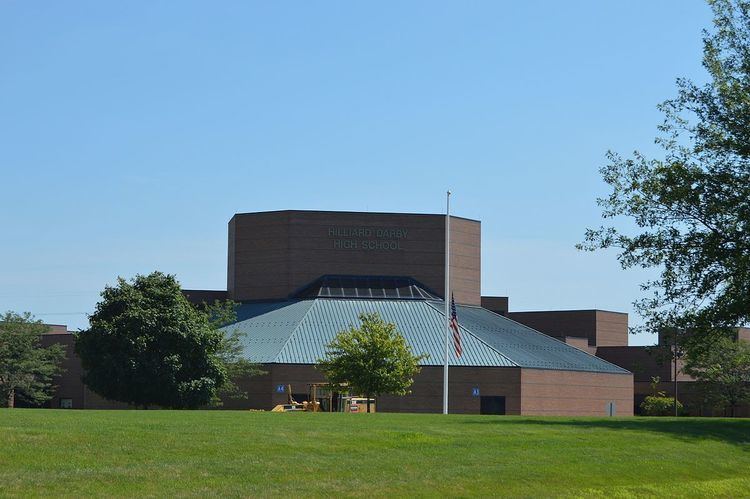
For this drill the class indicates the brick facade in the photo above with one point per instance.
(273, 254)
(572, 393)
(600, 327)
(526, 391)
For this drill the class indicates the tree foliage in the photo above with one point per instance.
(658, 404)
(26, 369)
(373, 359)
(724, 371)
(221, 316)
(147, 345)
(692, 206)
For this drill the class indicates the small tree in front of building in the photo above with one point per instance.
(723, 369)
(373, 359)
(26, 368)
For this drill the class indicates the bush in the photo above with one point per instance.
(659, 405)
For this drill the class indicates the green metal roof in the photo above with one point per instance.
(526, 346)
(296, 332)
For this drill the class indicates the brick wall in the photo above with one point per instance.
(571, 393)
(497, 304)
(69, 384)
(526, 391)
(427, 390)
(601, 328)
(273, 254)
(643, 362)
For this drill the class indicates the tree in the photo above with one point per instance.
(692, 206)
(724, 371)
(373, 359)
(26, 369)
(221, 314)
(147, 345)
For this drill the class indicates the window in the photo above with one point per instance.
(66, 403)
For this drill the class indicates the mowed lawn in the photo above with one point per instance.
(199, 453)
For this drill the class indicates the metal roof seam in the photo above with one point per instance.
(288, 338)
(523, 326)
(296, 332)
(442, 314)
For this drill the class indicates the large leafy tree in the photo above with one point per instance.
(723, 370)
(692, 206)
(373, 359)
(26, 369)
(147, 345)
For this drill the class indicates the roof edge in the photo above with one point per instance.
(555, 339)
(356, 213)
(566, 310)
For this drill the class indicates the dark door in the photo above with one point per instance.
(491, 405)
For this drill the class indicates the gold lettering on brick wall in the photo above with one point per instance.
(368, 238)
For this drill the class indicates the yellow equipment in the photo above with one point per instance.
(291, 405)
(326, 397)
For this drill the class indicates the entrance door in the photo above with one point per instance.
(491, 405)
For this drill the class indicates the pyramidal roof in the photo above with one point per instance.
(297, 331)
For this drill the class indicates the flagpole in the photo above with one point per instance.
(447, 296)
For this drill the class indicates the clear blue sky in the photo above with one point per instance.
(131, 132)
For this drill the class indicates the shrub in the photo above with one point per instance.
(659, 405)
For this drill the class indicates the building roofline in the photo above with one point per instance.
(557, 340)
(566, 310)
(355, 213)
(291, 328)
(624, 372)
(608, 347)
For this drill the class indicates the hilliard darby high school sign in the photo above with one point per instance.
(367, 238)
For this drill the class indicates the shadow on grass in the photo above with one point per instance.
(732, 431)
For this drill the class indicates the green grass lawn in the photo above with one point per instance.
(198, 453)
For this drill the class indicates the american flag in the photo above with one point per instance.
(455, 328)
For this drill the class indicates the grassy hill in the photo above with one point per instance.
(158, 453)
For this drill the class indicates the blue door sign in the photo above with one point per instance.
(475, 391)
(279, 388)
